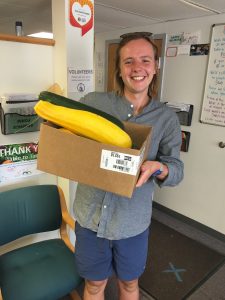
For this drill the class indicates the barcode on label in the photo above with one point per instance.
(124, 169)
(106, 162)
(120, 162)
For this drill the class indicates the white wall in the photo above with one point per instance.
(25, 68)
(201, 194)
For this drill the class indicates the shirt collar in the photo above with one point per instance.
(128, 104)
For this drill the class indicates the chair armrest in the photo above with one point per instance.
(66, 220)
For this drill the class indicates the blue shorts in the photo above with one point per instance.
(99, 258)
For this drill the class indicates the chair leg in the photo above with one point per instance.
(74, 295)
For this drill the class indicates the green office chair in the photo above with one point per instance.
(43, 270)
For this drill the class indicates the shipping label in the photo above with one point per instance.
(120, 162)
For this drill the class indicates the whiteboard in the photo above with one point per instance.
(213, 107)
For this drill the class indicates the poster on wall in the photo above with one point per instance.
(18, 161)
(180, 43)
(80, 80)
(81, 15)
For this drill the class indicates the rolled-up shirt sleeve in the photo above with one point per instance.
(169, 154)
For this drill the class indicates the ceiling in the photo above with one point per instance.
(109, 14)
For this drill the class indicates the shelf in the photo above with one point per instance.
(27, 39)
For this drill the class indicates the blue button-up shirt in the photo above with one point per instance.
(116, 217)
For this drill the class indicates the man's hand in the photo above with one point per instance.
(150, 167)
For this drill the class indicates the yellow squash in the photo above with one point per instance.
(84, 123)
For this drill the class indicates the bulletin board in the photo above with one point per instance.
(213, 107)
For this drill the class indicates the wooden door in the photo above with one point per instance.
(112, 47)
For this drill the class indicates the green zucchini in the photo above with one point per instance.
(69, 103)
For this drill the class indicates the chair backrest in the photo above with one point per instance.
(29, 210)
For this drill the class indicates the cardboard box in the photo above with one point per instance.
(113, 169)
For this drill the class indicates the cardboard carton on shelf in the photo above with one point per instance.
(107, 167)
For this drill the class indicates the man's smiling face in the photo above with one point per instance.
(137, 66)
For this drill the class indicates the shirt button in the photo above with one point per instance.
(129, 115)
(132, 106)
(104, 206)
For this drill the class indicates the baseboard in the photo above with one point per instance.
(213, 233)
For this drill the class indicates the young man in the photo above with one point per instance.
(111, 230)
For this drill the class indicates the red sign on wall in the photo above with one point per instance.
(81, 14)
